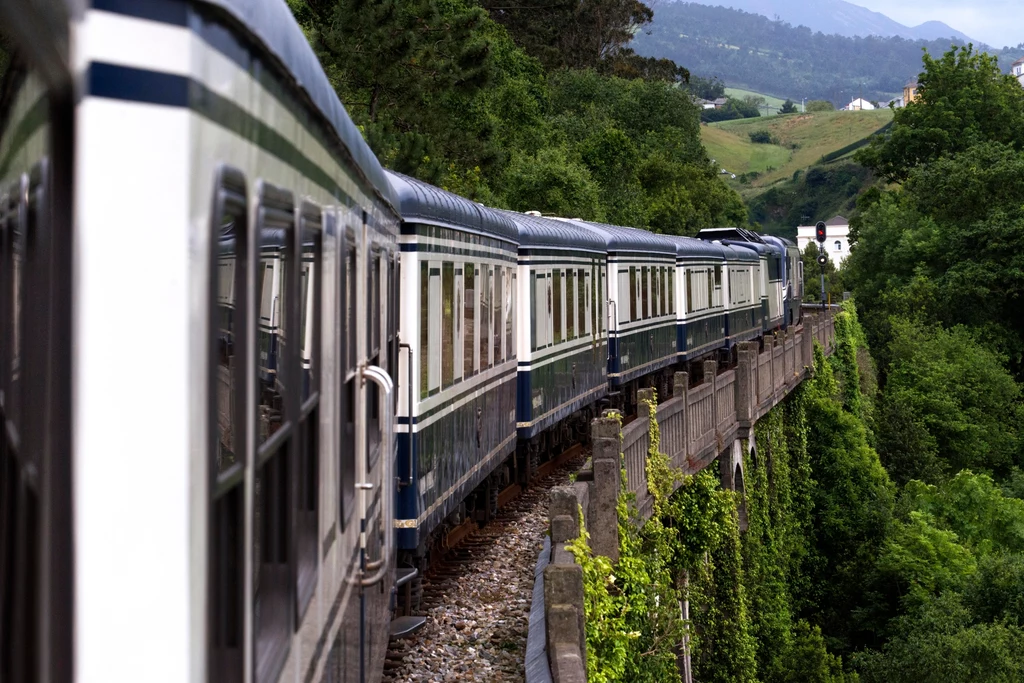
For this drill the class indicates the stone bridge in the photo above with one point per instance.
(699, 424)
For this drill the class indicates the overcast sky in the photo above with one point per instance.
(996, 22)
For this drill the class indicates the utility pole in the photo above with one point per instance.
(819, 234)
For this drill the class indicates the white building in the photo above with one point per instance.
(837, 238)
(1018, 70)
(859, 104)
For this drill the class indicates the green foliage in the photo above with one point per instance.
(571, 34)
(734, 108)
(822, 192)
(963, 100)
(763, 137)
(948, 404)
(852, 500)
(788, 107)
(938, 643)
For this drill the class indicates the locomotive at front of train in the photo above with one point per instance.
(792, 277)
(457, 403)
(641, 315)
(563, 348)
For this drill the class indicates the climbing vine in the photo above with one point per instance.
(751, 595)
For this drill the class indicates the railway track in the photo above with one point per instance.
(477, 594)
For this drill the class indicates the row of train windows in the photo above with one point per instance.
(651, 292)
(286, 290)
(740, 289)
(565, 304)
(703, 288)
(467, 321)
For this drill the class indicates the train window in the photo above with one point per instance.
(469, 348)
(498, 300)
(633, 293)
(424, 328)
(229, 331)
(276, 418)
(433, 313)
(689, 291)
(347, 375)
(625, 286)
(458, 312)
(484, 275)
(447, 324)
(671, 287)
(510, 315)
(570, 304)
(582, 297)
(373, 309)
(534, 307)
(557, 313)
(644, 303)
(310, 232)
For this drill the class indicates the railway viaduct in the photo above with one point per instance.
(699, 425)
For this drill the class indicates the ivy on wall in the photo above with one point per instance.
(764, 605)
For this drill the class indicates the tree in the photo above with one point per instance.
(963, 100)
(569, 33)
(788, 107)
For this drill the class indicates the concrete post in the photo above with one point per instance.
(743, 376)
(711, 375)
(682, 387)
(566, 634)
(563, 514)
(647, 395)
(604, 521)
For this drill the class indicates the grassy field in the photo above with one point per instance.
(774, 103)
(803, 140)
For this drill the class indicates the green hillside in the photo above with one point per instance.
(803, 139)
(774, 103)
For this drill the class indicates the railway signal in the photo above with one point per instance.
(822, 258)
(819, 231)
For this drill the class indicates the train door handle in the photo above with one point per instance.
(380, 566)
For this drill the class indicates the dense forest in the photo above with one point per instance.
(492, 106)
(752, 51)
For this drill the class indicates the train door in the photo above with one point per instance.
(376, 485)
(36, 524)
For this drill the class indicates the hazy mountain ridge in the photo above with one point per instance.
(841, 18)
(749, 50)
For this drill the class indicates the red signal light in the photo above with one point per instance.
(819, 231)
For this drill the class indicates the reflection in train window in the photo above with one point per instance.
(347, 469)
(496, 303)
(278, 397)
(558, 306)
(229, 237)
(570, 304)
(484, 276)
(308, 461)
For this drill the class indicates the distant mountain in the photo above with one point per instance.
(749, 50)
(840, 18)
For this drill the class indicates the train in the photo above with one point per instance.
(251, 379)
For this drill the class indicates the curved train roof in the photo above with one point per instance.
(693, 247)
(421, 202)
(758, 247)
(780, 242)
(272, 23)
(537, 231)
(619, 238)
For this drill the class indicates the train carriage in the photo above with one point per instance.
(259, 409)
(457, 416)
(702, 290)
(563, 349)
(642, 304)
(745, 319)
(792, 277)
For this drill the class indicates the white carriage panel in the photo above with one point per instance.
(131, 341)
(138, 43)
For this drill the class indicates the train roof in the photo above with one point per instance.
(421, 202)
(537, 231)
(778, 241)
(690, 246)
(758, 247)
(272, 23)
(618, 238)
(734, 234)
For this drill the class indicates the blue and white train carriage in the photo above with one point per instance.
(642, 304)
(186, 508)
(457, 414)
(563, 348)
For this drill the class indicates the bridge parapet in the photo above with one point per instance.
(698, 424)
